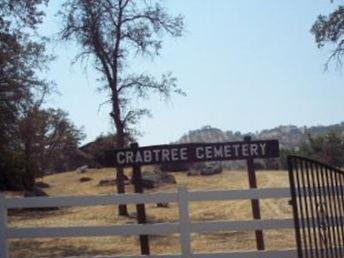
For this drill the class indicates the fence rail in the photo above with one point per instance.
(184, 227)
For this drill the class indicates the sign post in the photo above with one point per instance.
(140, 208)
(252, 179)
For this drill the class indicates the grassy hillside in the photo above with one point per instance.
(68, 184)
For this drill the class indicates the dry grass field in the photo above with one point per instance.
(66, 184)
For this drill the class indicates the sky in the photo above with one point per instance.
(246, 65)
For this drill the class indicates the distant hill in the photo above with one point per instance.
(289, 136)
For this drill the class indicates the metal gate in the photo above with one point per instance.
(318, 205)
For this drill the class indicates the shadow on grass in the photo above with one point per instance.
(54, 248)
(37, 214)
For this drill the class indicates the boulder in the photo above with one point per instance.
(35, 192)
(153, 179)
(193, 172)
(82, 169)
(205, 169)
(112, 181)
(107, 182)
(85, 179)
(149, 183)
(162, 205)
(198, 166)
(166, 178)
(211, 169)
(42, 184)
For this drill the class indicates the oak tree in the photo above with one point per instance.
(328, 148)
(328, 30)
(22, 55)
(113, 32)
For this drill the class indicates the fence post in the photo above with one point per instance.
(3, 227)
(184, 222)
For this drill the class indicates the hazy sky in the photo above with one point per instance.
(246, 65)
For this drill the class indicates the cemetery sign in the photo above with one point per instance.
(193, 152)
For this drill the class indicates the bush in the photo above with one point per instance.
(15, 173)
(328, 149)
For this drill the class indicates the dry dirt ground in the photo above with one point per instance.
(66, 184)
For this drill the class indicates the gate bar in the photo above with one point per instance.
(327, 231)
(294, 205)
(312, 212)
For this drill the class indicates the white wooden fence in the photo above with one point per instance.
(184, 226)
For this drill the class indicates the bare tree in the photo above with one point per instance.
(112, 32)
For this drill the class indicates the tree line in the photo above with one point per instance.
(327, 148)
(33, 139)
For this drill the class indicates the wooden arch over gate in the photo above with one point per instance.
(318, 205)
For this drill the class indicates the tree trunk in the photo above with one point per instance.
(122, 208)
(120, 142)
(28, 180)
(116, 112)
